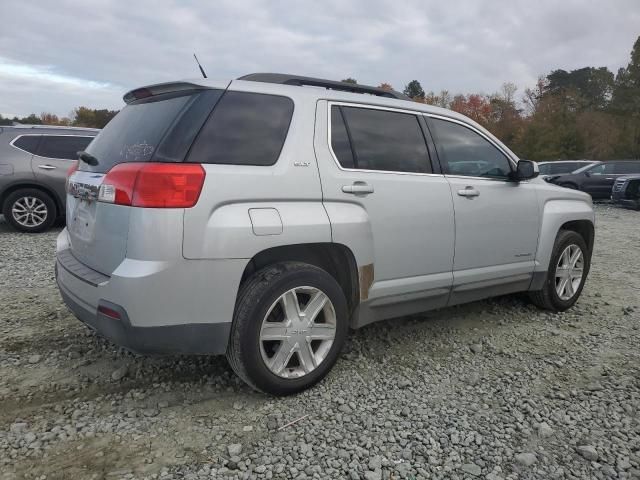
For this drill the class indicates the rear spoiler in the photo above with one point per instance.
(160, 88)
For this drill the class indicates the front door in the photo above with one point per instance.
(387, 202)
(497, 220)
(599, 180)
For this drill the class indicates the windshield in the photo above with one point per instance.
(587, 167)
(135, 133)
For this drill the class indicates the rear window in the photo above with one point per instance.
(244, 129)
(64, 147)
(628, 167)
(161, 127)
(28, 143)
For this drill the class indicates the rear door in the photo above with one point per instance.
(496, 220)
(55, 155)
(375, 169)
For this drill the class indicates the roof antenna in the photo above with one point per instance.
(200, 66)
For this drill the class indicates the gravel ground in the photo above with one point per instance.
(495, 389)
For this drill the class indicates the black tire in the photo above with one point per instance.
(45, 198)
(572, 186)
(255, 298)
(548, 298)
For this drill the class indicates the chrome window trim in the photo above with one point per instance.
(415, 113)
(46, 135)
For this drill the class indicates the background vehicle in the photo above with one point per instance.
(260, 218)
(626, 191)
(597, 179)
(34, 160)
(559, 167)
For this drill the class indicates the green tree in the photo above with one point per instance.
(350, 80)
(414, 90)
(88, 117)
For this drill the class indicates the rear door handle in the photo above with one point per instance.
(468, 192)
(47, 167)
(358, 188)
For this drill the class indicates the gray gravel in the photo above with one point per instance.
(492, 390)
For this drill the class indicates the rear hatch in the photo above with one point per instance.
(157, 125)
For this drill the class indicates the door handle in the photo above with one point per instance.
(358, 188)
(468, 192)
(47, 167)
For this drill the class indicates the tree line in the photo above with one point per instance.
(586, 113)
(79, 117)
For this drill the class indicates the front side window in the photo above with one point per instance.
(380, 140)
(603, 169)
(244, 129)
(464, 152)
(28, 143)
(62, 147)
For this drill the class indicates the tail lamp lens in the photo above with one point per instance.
(153, 185)
(70, 172)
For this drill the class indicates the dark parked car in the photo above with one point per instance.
(626, 191)
(34, 160)
(597, 179)
(560, 167)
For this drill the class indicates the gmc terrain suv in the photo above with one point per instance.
(264, 217)
(34, 160)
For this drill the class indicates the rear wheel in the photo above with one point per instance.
(566, 275)
(29, 210)
(289, 326)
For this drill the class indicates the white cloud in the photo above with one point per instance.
(91, 52)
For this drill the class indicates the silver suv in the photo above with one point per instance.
(34, 160)
(264, 217)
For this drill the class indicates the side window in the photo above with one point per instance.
(545, 169)
(386, 141)
(628, 167)
(603, 169)
(464, 152)
(340, 143)
(28, 143)
(62, 147)
(244, 129)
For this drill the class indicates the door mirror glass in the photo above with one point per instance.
(525, 170)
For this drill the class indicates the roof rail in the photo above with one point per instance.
(286, 79)
(59, 127)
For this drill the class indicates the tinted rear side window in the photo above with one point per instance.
(386, 141)
(244, 129)
(28, 143)
(340, 139)
(62, 147)
(627, 167)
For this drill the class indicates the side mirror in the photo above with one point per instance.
(525, 170)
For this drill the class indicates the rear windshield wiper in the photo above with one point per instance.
(87, 158)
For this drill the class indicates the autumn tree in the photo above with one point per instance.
(350, 80)
(385, 86)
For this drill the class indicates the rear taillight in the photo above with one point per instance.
(70, 172)
(153, 185)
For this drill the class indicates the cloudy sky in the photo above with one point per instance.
(55, 56)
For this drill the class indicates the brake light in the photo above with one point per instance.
(153, 185)
(70, 172)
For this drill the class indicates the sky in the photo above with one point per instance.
(56, 56)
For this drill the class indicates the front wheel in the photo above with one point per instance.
(566, 275)
(290, 323)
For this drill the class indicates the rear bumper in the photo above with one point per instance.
(172, 306)
(187, 339)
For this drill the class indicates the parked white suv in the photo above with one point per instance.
(264, 217)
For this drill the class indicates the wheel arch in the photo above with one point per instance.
(336, 259)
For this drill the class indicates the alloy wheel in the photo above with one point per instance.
(29, 212)
(569, 271)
